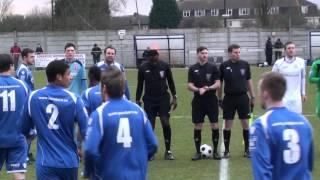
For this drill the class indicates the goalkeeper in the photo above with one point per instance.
(315, 78)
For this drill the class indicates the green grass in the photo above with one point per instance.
(182, 137)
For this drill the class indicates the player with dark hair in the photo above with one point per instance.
(110, 56)
(203, 80)
(120, 138)
(78, 71)
(53, 110)
(236, 76)
(13, 145)
(294, 71)
(24, 73)
(156, 75)
(281, 141)
(92, 96)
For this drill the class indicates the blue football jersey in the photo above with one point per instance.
(92, 98)
(24, 74)
(79, 78)
(120, 134)
(54, 111)
(13, 94)
(281, 145)
(104, 66)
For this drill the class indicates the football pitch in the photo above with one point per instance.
(237, 167)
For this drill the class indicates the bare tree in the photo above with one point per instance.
(5, 6)
(263, 10)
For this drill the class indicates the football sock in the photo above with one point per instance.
(215, 139)
(167, 137)
(226, 137)
(245, 134)
(197, 139)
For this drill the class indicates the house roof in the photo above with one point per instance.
(219, 4)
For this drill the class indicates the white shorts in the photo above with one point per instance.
(293, 105)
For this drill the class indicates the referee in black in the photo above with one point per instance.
(156, 75)
(236, 75)
(203, 80)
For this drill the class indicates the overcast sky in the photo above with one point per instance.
(25, 6)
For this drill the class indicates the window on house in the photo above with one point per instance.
(244, 11)
(304, 9)
(186, 13)
(199, 13)
(229, 12)
(214, 12)
(273, 10)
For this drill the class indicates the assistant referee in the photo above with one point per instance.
(236, 75)
(156, 75)
(203, 80)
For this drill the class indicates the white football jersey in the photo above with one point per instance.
(294, 71)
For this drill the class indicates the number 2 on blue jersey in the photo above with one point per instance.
(293, 153)
(123, 135)
(54, 111)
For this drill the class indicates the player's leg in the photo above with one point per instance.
(243, 112)
(150, 111)
(318, 104)
(213, 115)
(151, 114)
(164, 109)
(197, 119)
(32, 136)
(228, 105)
(68, 173)
(16, 162)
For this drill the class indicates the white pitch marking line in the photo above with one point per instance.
(224, 163)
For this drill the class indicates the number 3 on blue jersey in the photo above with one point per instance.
(293, 153)
(123, 135)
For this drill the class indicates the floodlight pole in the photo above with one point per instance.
(225, 12)
(138, 16)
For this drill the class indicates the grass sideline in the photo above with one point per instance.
(182, 137)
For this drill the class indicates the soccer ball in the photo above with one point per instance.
(206, 151)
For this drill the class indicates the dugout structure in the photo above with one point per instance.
(171, 48)
(314, 45)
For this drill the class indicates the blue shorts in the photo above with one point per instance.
(51, 173)
(15, 158)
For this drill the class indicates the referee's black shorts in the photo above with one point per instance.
(157, 106)
(205, 106)
(233, 103)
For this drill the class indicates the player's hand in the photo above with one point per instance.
(139, 103)
(202, 91)
(252, 102)
(174, 103)
(304, 98)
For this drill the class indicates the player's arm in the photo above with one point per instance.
(81, 117)
(303, 82)
(139, 85)
(85, 100)
(84, 84)
(216, 84)
(170, 80)
(260, 153)
(219, 90)
(190, 85)
(250, 86)
(275, 67)
(313, 76)
(26, 123)
(91, 148)
(151, 139)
